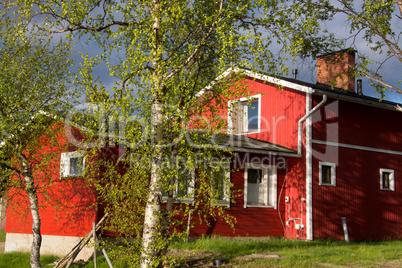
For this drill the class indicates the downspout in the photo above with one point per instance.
(309, 159)
(304, 118)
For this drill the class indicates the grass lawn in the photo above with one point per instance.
(21, 260)
(2, 236)
(301, 253)
(247, 252)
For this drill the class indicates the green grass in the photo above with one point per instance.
(292, 253)
(21, 260)
(302, 253)
(2, 236)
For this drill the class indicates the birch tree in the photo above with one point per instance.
(33, 89)
(165, 57)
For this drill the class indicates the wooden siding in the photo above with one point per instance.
(371, 213)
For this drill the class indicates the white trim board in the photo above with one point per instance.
(358, 147)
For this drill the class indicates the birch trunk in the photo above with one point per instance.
(33, 205)
(151, 226)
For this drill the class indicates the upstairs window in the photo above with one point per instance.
(72, 164)
(387, 179)
(327, 174)
(245, 115)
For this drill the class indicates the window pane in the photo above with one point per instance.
(218, 183)
(254, 175)
(385, 180)
(326, 172)
(255, 190)
(253, 116)
(184, 179)
(76, 165)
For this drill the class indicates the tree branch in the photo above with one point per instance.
(195, 52)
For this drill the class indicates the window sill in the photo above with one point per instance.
(259, 206)
(326, 184)
(384, 189)
(179, 201)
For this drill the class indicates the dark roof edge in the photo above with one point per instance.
(321, 89)
(355, 99)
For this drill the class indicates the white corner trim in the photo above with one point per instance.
(309, 171)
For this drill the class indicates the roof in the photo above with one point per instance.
(240, 143)
(323, 89)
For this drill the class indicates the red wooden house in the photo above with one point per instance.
(317, 153)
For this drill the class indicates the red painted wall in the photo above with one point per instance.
(371, 213)
(296, 189)
(66, 206)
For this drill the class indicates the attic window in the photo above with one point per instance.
(72, 164)
(387, 181)
(245, 115)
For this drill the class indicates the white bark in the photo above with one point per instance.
(153, 207)
(33, 205)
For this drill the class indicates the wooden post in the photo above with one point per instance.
(94, 236)
(107, 258)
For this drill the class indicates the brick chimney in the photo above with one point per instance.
(335, 69)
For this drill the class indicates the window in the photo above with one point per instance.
(245, 115)
(387, 179)
(183, 189)
(260, 186)
(221, 186)
(327, 174)
(184, 183)
(72, 164)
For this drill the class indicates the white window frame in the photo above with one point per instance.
(65, 163)
(226, 190)
(391, 179)
(333, 174)
(270, 186)
(232, 105)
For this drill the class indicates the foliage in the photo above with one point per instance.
(34, 90)
(165, 58)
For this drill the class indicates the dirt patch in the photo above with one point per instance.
(257, 256)
(204, 259)
(198, 258)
